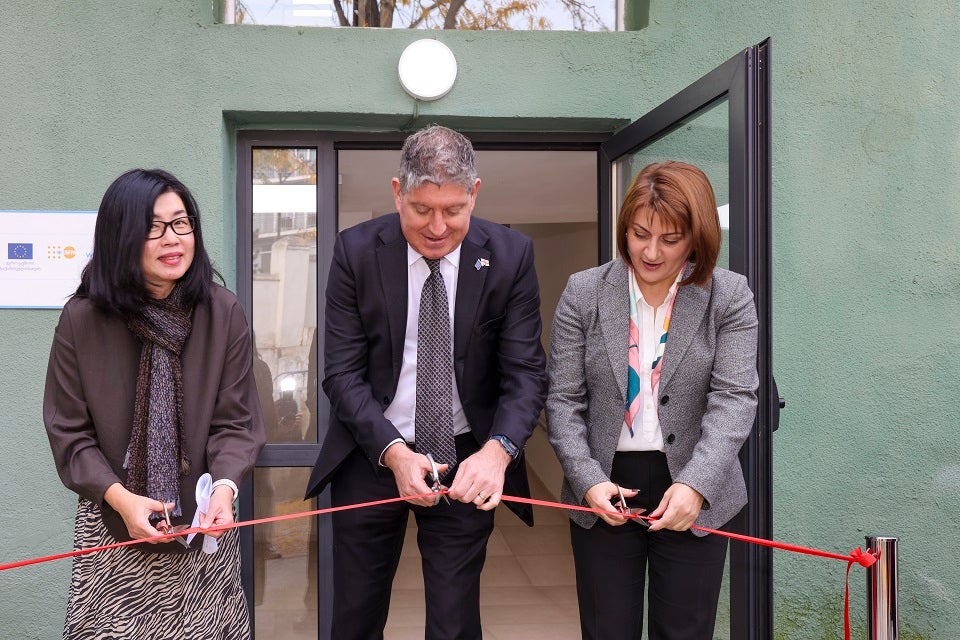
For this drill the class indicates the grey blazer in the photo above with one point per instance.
(707, 393)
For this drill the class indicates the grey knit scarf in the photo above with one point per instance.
(156, 457)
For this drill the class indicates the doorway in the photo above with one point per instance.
(301, 190)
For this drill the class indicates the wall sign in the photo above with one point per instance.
(41, 256)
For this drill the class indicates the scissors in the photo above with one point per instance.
(622, 507)
(434, 479)
(164, 526)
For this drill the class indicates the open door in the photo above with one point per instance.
(721, 123)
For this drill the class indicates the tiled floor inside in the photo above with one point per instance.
(527, 587)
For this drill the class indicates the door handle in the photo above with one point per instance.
(777, 406)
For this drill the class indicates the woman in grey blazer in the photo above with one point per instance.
(653, 385)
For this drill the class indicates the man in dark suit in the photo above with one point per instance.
(432, 346)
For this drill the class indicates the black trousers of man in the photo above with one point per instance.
(366, 550)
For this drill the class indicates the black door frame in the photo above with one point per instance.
(327, 145)
(744, 81)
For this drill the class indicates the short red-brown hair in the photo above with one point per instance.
(680, 195)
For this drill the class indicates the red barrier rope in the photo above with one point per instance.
(863, 558)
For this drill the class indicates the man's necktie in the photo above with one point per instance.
(434, 417)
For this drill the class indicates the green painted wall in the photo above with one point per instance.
(866, 228)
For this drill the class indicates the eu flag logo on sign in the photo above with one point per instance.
(19, 251)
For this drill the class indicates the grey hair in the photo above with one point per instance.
(438, 155)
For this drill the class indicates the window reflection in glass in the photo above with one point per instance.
(556, 15)
(285, 290)
(702, 141)
(285, 566)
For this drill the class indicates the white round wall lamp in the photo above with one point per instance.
(427, 69)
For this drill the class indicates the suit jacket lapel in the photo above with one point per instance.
(392, 260)
(470, 281)
(688, 312)
(613, 302)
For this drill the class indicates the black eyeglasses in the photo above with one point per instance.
(181, 226)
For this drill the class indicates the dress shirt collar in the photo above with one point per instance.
(453, 257)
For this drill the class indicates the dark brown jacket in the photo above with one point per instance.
(89, 395)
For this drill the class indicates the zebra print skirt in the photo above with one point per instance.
(125, 593)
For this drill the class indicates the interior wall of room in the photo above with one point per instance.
(559, 250)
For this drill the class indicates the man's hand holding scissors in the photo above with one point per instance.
(410, 470)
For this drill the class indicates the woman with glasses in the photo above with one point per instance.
(151, 407)
(653, 384)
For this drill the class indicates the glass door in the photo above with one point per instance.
(285, 197)
(721, 124)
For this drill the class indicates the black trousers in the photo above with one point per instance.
(613, 563)
(366, 550)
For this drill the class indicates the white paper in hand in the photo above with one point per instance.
(203, 504)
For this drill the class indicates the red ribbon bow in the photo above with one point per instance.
(865, 559)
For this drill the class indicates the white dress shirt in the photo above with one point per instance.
(402, 410)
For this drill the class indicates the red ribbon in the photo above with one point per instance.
(863, 558)
(219, 527)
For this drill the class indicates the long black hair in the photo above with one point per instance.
(113, 279)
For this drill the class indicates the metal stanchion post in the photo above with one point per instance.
(882, 607)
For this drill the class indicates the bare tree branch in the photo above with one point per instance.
(424, 12)
(450, 20)
(341, 16)
(583, 14)
(461, 14)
